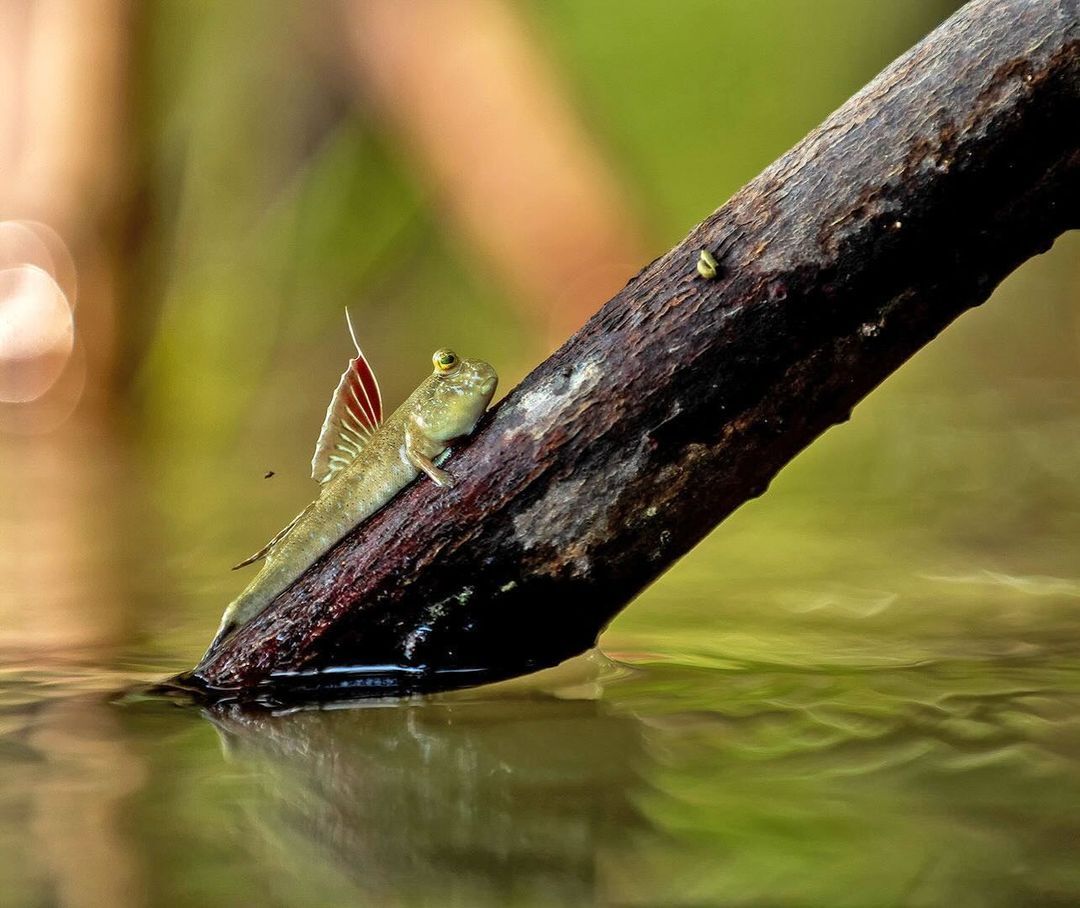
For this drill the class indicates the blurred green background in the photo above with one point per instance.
(860, 690)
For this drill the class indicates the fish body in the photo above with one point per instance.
(363, 463)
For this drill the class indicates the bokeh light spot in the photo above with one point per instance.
(37, 333)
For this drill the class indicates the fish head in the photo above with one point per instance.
(460, 391)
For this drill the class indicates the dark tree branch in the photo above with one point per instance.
(683, 397)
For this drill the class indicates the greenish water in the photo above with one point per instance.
(656, 780)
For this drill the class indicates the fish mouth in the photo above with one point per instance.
(487, 385)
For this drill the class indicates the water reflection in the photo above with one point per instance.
(946, 783)
(67, 775)
(753, 784)
(77, 818)
(486, 802)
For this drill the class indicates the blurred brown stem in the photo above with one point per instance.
(481, 109)
(683, 397)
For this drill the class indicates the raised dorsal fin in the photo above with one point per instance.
(266, 549)
(355, 412)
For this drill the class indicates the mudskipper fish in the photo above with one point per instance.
(363, 461)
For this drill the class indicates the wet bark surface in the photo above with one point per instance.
(683, 396)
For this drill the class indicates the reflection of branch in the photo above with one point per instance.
(683, 397)
(530, 789)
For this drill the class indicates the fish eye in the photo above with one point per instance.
(445, 361)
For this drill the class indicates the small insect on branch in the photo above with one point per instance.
(707, 266)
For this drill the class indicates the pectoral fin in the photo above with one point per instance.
(419, 449)
(266, 549)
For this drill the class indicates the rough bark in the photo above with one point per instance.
(682, 397)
